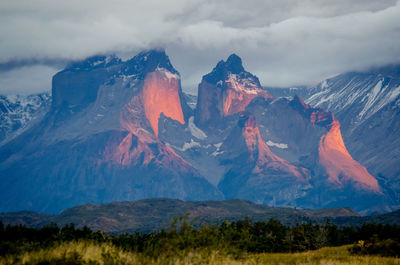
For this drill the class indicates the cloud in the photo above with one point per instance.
(284, 42)
(14, 64)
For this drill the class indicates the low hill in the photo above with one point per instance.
(154, 214)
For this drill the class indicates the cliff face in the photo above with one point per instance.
(161, 95)
(333, 156)
(140, 117)
(341, 168)
(225, 91)
(260, 152)
(255, 173)
(367, 104)
(240, 92)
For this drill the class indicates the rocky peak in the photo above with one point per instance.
(232, 66)
(76, 87)
(226, 90)
(298, 104)
(148, 61)
(316, 116)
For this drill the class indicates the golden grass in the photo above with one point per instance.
(85, 252)
(82, 252)
(323, 256)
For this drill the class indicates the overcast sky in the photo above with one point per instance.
(285, 42)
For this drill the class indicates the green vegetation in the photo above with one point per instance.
(241, 242)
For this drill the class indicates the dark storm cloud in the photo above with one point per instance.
(26, 62)
(284, 42)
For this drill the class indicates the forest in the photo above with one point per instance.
(232, 239)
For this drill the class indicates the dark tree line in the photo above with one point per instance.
(232, 237)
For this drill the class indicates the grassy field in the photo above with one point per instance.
(86, 252)
(327, 255)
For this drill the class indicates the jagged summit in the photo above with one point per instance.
(77, 86)
(226, 90)
(298, 103)
(144, 62)
(149, 61)
(232, 66)
(316, 116)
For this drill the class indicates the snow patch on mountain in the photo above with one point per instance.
(243, 85)
(195, 131)
(279, 145)
(371, 98)
(167, 73)
(217, 151)
(369, 92)
(190, 145)
(16, 112)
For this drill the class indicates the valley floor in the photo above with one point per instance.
(87, 252)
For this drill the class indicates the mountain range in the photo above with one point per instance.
(124, 130)
(17, 112)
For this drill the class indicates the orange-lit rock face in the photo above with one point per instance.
(129, 151)
(161, 95)
(338, 163)
(265, 159)
(341, 168)
(239, 93)
(132, 151)
(131, 119)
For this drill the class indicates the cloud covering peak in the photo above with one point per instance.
(285, 42)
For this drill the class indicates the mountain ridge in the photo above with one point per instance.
(154, 214)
